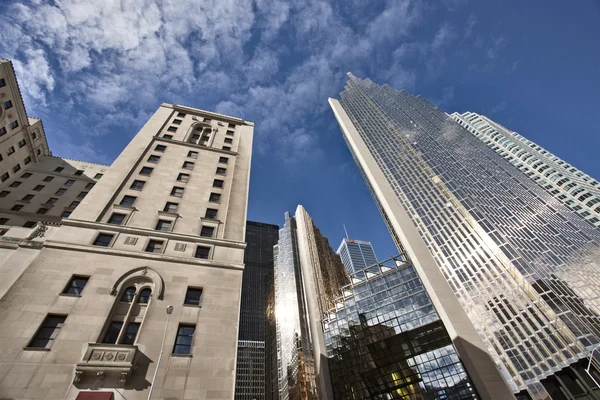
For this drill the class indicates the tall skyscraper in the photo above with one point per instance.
(356, 254)
(251, 373)
(568, 184)
(139, 288)
(523, 266)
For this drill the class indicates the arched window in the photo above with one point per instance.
(128, 294)
(144, 296)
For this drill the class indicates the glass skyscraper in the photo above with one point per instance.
(523, 265)
(356, 254)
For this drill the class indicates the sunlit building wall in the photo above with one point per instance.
(356, 254)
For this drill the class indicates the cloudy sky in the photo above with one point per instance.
(95, 70)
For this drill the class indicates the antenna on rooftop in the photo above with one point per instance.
(347, 237)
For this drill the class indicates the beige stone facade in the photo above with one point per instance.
(164, 226)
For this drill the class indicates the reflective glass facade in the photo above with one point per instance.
(356, 254)
(386, 341)
(523, 265)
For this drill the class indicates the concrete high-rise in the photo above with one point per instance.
(523, 266)
(84, 299)
(356, 254)
(569, 185)
(252, 376)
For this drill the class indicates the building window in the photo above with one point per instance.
(154, 159)
(131, 332)
(15, 183)
(90, 185)
(137, 185)
(164, 225)
(37, 188)
(26, 175)
(76, 285)
(103, 239)
(215, 198)
(58, 169)
(155, 246)
(2, 131)
(17, 168)
(2, 82)
(66, 214)
(177, 191)
(4, 177)
(48, 331)
(168, 137)
(188, 165)
(221, 171)
(171, 207)
(69, 182)
(160, 147)
(207, 231)
(223, 160)
(74, 204)
(27, 197)
(207, 119)
(128, 295)
(48, 178)
(7, 104)
(29, 224)
(230, 133)
(192, 296)
(227, 148)
(81, 195)
(172, 129)
(10, 150)
(202, 252)
(183, 178)
(98, 176)
(79, 172)
(177, 121)
(14, 124)
(180, 115)
(4, 193)
(16, 207)
(144, 297)
(192, 154)
(52, 200)
(183, 342)
(218, 183)
(41, 211)
(147, 171)
(21, 143)
(3, 221)
(27, 160)
(60, 191)
(116, 219)
(231, 125)
(112, 333)
(128, 201)
(228, 140)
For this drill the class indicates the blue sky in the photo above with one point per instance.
(95, 70)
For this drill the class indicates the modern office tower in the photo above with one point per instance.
(568, 184)
(523, 266)
(253, 348)
(356, 254)
(385, 339)
(138, 291)
(308, 276)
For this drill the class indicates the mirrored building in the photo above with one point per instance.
(356, 254)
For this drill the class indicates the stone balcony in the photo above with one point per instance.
(103, 359)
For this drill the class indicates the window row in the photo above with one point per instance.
(154, 245)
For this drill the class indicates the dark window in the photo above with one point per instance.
(188, 165)
(172, 129)
(69, 182)
(74, 204)
(52, 200)
(144, 296)
(112, 333)
(128, 295)
(227, 148)
(4, 177)
(14, 124)
(223, 160)
(180, 115)
(177, 191)
(38, 188)
(177, 121)
(98, 176)
(231, 126)
(7, 104)
(76, 285)
(2, 131)
(218, 183)
(17, 168)
(22, 143)
(27, 197)
(230, 132)
(171, 207)
(154, 159)
(192, 154)
(3, 221)
(202, 252)
(66, 214)
(160, 147)
(26, 175)
(90, 185)
(16, 207)
(116, 219)
(60, 191)
(214, 197)
(81, 195)
(211, 213)
(131, 332)
(137, 185)
(192, 296)
(2, 82)
(79, 172)
(154, 246)
(221, 171)
(29, 224)
(183, 342)
(168, 136)
(207, 231)
(48, 178)
(48, 332)
(41, 211)
(195, 137)
(183, 178)
(228, 140)
(58, 169)
(207, 119)
(103, 239)
(146, 171)
(4, 193)
(27, 160)
(128, 201)
(164, 225)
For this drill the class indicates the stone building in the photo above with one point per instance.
(84, 301)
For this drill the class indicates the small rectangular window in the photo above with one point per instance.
(8, 104)
(98, 176)
(221, 171)
(192, 154)
(202, 252)
(116, 219)
(171, 207)
(228, 140)
(177, 122)
(41, 211)
(4, 176)
(2, 82)
(79, 172)
(192, 296)
(112, 333)
(146, 171)
(66, 214)
(207, 231)
(48, 331)
(218, 183)
(172, 129)
(231, 125)
(29, 224)
(10, 150)
(155, 246)
(21, 143)
(103, 239)
(4, 193)
(223, 160)
(76, 285)
(180, 115)
(184, 339)
(183, 178)
(27, 197)
(58, 169)
(73, 204)
(14, 124)
(69, 182)
(131, 332)
(164, 225)
(177, 191)
(188, 165)
(2, 131)
(207, 119)
(37, 188)
(17, 168)
(137, 185)
(211, 213)
(15, 183)
(90, 185)
(48, 178)
(26, 160)
(52, 200)
(168, 137)
(230, 133)
(16, 207)
(26, 175)
(128, 201)
(154, 159)
(227, 148)
(160, 147)
(215, 197)
(3, 221)
(60, 191)
(81, 195)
